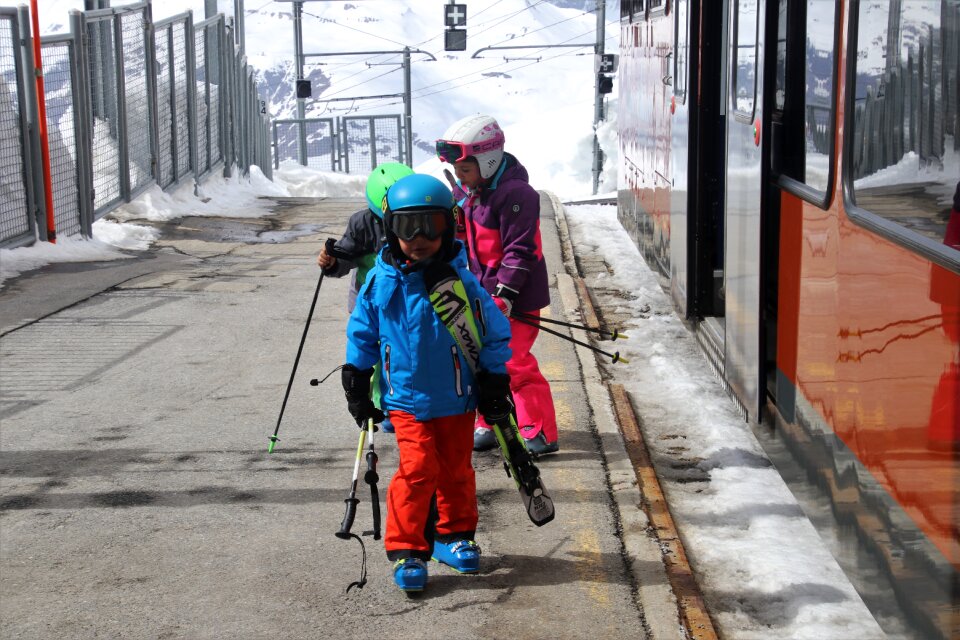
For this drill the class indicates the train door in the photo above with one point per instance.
(744, 182)
(678, 79)
(706, 108)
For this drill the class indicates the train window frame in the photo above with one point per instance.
(680, 75)
(795, 186)
(738, 114)
(905, 237)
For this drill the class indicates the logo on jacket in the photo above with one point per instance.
(448, 306)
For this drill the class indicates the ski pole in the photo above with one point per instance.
(528, 316)
(352, 501)
(350, 511)
(371, 478)
(273, 439)
(614, 357)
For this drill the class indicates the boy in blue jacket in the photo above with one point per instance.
(427, 385)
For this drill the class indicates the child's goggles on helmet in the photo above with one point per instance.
(430, 223)
(450, 151)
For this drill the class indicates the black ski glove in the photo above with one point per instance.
(494, 401)
(356, 385)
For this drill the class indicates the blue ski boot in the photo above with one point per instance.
(460, 555)
(410, 574)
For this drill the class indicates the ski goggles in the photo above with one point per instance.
(450, 151)
(430, 223)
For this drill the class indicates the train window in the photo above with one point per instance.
(681, 50)
(780, 96)
(819, 66)
(805, 71)
(902, 152)
(744, 83)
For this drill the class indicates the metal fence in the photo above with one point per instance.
(129, 103)
(351, 144)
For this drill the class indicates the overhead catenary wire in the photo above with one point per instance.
(492, 23)
(372, 58)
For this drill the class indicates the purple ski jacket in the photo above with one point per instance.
(502, 234)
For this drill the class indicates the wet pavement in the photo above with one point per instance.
(137, 498)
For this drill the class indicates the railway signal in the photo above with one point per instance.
(455, 15)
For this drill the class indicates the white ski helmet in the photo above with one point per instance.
(477, 136)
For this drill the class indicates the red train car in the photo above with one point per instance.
(792, 167)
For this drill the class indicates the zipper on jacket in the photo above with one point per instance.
(478, 314)
(454, 351)
(386, 366)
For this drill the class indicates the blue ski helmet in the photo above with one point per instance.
(416, 196)
(381, 179)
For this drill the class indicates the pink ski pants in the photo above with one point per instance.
(531, 391)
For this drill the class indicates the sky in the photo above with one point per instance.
(772, 552)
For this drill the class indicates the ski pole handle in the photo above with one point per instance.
(348, 516)
(375, 502)
(330, 247)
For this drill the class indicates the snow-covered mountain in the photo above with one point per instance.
(542, 96)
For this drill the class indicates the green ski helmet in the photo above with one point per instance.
(380, 180)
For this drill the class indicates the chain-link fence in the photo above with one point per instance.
(352, 144)
(59, 64)
(129, 103)
(319, 136)
(16, 201)
(369, 141)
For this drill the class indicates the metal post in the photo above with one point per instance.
(223, 53)
(240, 24)
(153, 109)
(598, 97)
(209, 8)
(172, 106)
(32, 139)
(123, 138)
(373, 143)
(42, 125)
(301, 103)
(83, 121)
(407, 110)
(190, 38)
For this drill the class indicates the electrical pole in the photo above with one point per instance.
(407, 106)
(598, 97)
(301, 102)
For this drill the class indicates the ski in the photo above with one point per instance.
(519, 465)
(449, 299)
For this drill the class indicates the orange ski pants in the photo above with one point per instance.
(435, 457)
